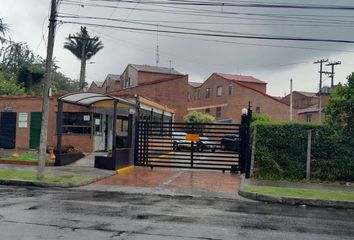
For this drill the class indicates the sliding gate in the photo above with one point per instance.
(183, 145)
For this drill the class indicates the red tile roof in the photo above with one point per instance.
(240, 78)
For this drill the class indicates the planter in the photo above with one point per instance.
(67, 158)
(109, 163)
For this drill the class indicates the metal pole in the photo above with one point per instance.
(114, 119)
(308, 162)
(59, 125)
(254, 135)
(291, 99)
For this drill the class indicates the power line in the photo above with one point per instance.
(198, 12)
(236, 35)
(245, 5)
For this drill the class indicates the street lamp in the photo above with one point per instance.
(244, 111)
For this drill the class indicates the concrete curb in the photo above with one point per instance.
(15, 182)
(296, 201)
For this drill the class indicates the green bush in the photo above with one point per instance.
(281, 151)
(261, 117)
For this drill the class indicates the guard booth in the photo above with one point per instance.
(110, 122)
(106, 123)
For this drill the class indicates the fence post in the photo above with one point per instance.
(254, 140)
(242, 153)
(308, 162)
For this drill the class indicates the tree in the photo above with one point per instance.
(199, 117)
(340, 108)
(16, 55)
(8, 85)
(3, 30)
(261, 117)
(84, 48)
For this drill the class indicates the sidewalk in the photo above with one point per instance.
(312, 194)
(173, 182)
(83, 167)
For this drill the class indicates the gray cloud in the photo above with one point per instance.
(195, 57)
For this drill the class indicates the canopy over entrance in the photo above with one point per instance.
(91, 98)
(96, 100)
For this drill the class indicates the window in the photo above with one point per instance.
(207, 110)
(188, 96)
(127, 82)
(207, 93)
(76, 123)
(218, 91)
(230, 89)
(258, 110)
(218, 112)
(197, 94)
(309, 118)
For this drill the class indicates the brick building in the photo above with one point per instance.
(307, 105)
(165, 86)
(224, 96)
(88, 128)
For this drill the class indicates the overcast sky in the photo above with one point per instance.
(196, 55)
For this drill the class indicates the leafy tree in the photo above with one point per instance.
(340, 108)
(8, 85)
(84, 48)
(30, 76)
(261, 117)
(61, 83)
(199, 117)
(16, 55)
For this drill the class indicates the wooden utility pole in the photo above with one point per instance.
(320, 90)
(331, 74)
(46, 87)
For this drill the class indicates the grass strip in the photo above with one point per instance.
(12, 174)
(302, 193)
(26, 157)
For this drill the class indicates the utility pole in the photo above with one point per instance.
(331, 74)
(320, 88)
(46, 88)
(85, 40)
(157, 46)
(291, 99)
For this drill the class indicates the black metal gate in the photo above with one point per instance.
(182, 145)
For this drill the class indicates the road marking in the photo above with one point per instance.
(167, 155)
(125, 169)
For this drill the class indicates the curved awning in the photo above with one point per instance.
(90, 98)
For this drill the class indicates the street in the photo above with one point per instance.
(38, 213)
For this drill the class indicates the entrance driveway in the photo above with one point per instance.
(172, 181)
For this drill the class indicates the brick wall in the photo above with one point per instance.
(34, 104)
(300, 101)
(172, 93)
(231, 105)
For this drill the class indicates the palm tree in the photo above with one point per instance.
(3, 30)
(84, 48)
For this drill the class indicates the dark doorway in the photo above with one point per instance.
(8, 130)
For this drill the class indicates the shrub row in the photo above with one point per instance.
(281, 151)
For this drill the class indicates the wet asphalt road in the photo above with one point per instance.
(35, 213)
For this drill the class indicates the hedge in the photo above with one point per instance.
(281, 151)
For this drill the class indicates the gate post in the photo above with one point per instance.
(245, 153)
